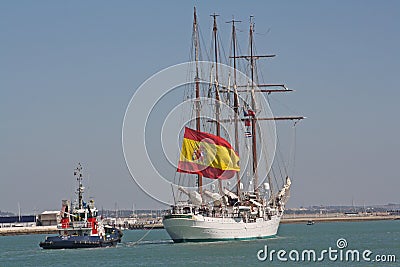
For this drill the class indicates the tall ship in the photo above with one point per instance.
(232, 180)
(80, 227)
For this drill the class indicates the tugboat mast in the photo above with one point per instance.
(78, 175)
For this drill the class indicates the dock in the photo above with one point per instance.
(341, 218)
(28, 230)
(145, 226)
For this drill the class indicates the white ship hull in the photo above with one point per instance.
(197, 228)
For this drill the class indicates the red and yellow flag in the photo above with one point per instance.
(207, 154)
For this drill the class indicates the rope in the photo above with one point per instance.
(140, 239)
(280, 157)
(294, 149)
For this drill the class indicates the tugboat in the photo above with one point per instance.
(79, 227)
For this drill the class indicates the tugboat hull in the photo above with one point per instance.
(69, 242)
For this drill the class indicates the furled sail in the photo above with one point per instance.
(194, 196)
(217, 198)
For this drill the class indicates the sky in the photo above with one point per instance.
(69, 69)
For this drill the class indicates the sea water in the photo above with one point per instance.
(153, 247)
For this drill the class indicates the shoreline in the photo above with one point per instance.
(341, 218)
(11, 231)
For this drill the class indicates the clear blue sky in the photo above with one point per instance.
(69, 69)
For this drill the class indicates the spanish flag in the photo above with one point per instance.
(207, 154)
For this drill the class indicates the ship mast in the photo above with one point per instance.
(235, 101)
(217, 97)
(197, 85)
(252, 60)
(253, 106)
(78, 175)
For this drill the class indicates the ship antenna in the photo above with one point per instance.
(79, 177)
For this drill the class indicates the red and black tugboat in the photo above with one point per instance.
(79, 227)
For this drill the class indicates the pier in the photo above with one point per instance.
(336, 218)
(28, 230)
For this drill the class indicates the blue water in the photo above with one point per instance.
(155, 248)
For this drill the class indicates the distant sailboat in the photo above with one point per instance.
(226, 213)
